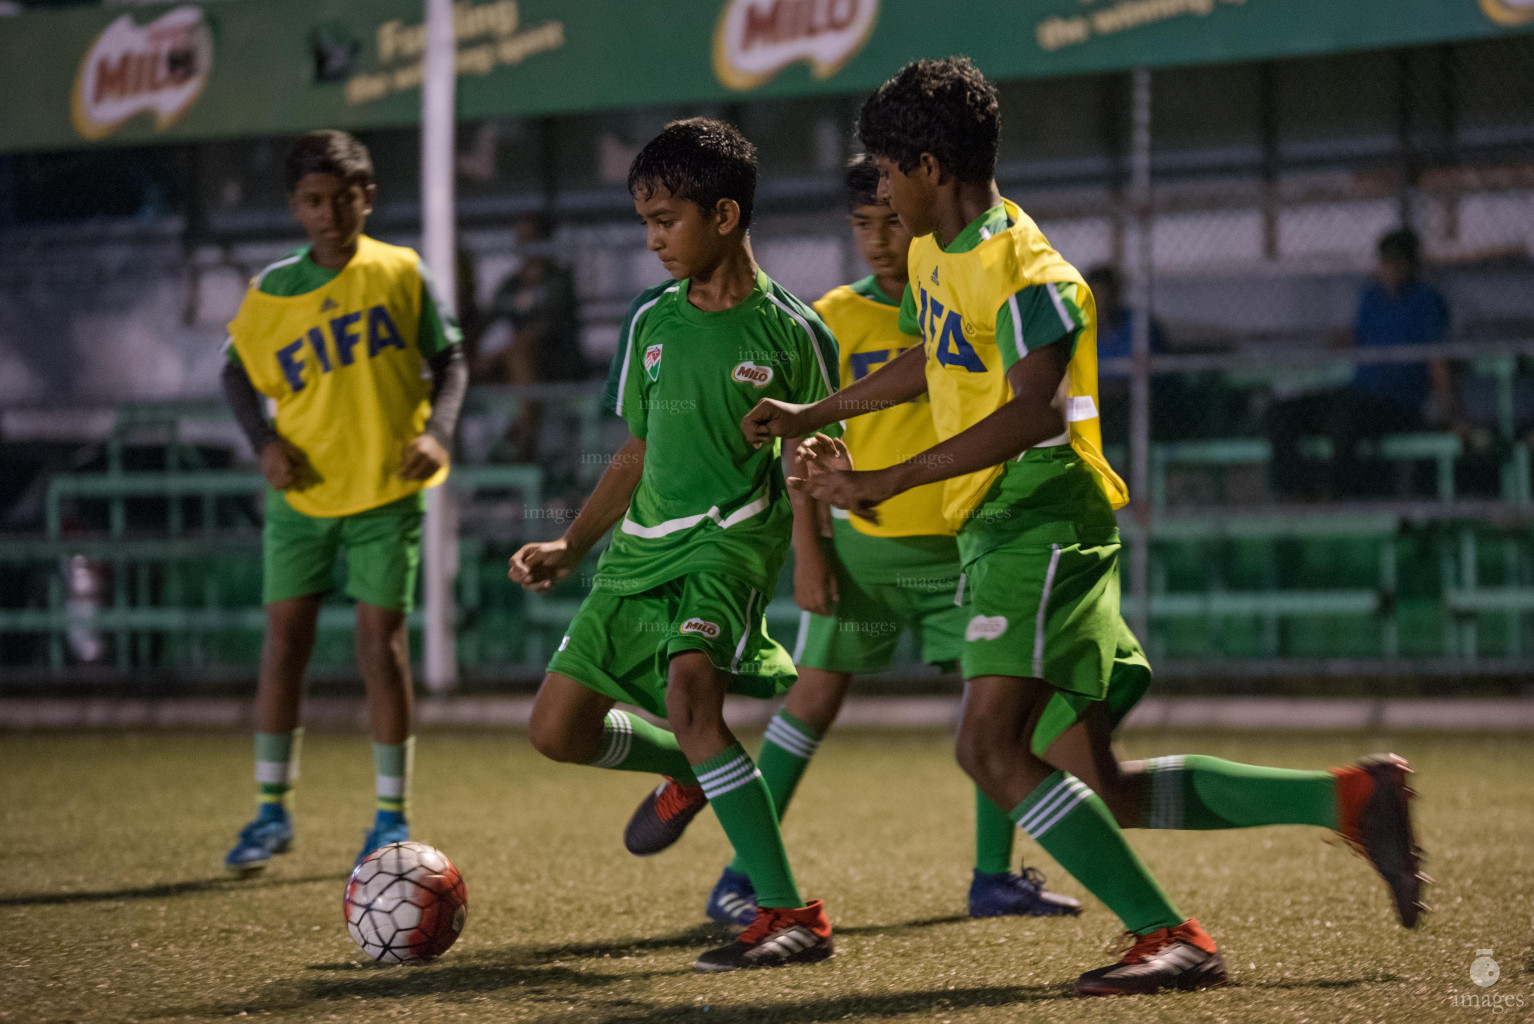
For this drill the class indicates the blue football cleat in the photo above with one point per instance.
(271, 833)
(388, 827)
(1023, 894)
(732, 904)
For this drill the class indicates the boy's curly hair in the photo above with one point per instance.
(700, 160)
(943, 107)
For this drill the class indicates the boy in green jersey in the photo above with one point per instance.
(867, 584)
(675, 616)
(1008, 361)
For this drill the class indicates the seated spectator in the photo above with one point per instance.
(1395, 308)
(539, 336)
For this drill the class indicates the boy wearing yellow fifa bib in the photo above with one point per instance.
(1008, 363)
(338, 338)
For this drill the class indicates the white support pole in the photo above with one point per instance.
(439, 247)
(1139, 386)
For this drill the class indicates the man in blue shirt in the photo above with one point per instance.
(1395, 308)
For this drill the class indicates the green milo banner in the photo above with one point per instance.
(171, 72)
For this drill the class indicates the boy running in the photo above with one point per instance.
(1009, 364)
(876, 580)
(337, 336)
(674, 619)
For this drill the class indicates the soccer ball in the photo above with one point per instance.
(405, 904)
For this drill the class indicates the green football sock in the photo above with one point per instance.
(1074, 827)
(744, 807)
(630, 744)
(1193, 791)
(277, 767)
(994, 833)
(786, 753)
(392, 764)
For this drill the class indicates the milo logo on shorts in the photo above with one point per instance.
(701, 627)
(749, 373)
(985, 627)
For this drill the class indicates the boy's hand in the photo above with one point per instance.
(283, 464)
(815, 589)
(422, 458)
(857, 492)
(540, 565)
(823, 453)
(772, 418)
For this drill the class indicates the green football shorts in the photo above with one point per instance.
(383, 552)
(1052, 613)
(885, 585)
(621, 645)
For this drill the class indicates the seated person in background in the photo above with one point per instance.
(542, 341)
(1395, 308)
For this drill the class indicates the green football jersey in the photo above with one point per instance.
(683, 379)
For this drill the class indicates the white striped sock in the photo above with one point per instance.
(617, 740)
(1057, 803)
(783, 734)
(1166, 791)
(728, 777)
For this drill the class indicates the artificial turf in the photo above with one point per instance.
(113, 906)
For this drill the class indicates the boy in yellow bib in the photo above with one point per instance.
(1008, 362)
(337, 337)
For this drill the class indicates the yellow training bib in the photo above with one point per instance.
(958, 296)
(343, 365)
(868, 336)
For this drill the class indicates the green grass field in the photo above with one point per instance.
(113, 908)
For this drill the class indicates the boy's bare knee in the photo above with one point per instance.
(557, 742)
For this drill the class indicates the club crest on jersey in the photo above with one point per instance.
(652, 361)
(985, 627)
(749, 373)
(702, 627)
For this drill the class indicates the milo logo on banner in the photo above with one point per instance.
(755, 39)
(1509, 12)
(131, 69)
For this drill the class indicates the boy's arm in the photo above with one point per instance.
(815, 588)
(900, 380)
(539, 566)
(427, 453)
(281, 462)
(1026, 420)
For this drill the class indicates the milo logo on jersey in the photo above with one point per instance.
(944, 330)
(702, 627)
(749, 373)
(338, 347)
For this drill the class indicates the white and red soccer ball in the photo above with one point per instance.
(405, 904)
